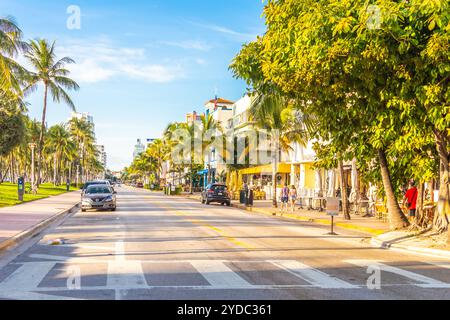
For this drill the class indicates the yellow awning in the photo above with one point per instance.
(267, 169)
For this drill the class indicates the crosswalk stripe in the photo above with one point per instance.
(28, 276)
(218, 274)
(426, 282)
(313, 276)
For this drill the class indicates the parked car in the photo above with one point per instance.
(140, 185)
(216, 192)
(99, 197)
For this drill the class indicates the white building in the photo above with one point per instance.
(221, 111)
(83, 116)
(139, 148)
(102, 157)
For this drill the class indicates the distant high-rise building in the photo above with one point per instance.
(139, 148)
(102, 157)
(83, 116)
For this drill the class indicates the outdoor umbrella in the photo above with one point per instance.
(331, 183)
(353, 194)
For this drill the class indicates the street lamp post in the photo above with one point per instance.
(33, 179)
(78, 175)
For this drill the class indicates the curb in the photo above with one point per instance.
(34, 230)
(348, 226)
(390, 245)
(313, 220)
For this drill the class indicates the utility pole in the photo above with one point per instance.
(33, 178)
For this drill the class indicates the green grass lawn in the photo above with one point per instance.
(8, 193)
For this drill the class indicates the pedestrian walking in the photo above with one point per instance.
(293, 197)
(411, 199)
(284, 197)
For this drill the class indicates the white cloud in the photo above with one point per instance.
(190, 45)
(100, 60)
(240, 36)
(201, 61)
(152, 73)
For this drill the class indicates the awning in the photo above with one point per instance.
(267, 169)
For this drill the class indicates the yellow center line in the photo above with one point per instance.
(202, 223)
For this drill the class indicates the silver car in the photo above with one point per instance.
(98, 197)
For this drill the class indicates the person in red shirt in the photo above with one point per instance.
(411, 199)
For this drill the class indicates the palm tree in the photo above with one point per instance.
(54, 76)
(273, 112)
(58, 144)
(82, 133)
(11, 45)
(159, 151)
(208, 125)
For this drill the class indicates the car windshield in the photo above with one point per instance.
(97, 189)
(219, 188)
(92, 183)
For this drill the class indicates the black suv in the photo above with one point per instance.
(216, 192)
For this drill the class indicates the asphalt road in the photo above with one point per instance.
(155, 247)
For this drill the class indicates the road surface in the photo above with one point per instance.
(156, 247)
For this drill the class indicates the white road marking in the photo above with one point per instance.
(75, 260)
(218, 274)
(23, 295)
(427, 282)
(27, 277)
(313, 276)
(124, 275)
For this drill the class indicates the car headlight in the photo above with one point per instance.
(108, 199)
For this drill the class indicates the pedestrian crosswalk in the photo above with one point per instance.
(44, 273)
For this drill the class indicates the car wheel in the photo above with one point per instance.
(222, 204)
(203, 201)
(228, 204)
(113, 209)
(207, 202)
(83, 210)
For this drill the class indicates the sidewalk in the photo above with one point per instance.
(24, 220)
(371, 225)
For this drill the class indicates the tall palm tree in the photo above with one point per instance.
(208, 125)
(58, 144)
(82, 133)
(273, 112)
(54, 76)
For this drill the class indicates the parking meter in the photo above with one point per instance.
(21, 188)
(68, 185)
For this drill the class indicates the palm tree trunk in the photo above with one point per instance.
(397, 219)
(345, 206)
(41, 136)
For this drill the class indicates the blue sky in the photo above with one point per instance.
(141, 64)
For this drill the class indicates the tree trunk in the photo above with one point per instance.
(397, 219)
(441, 220)
(41, 136)
(345, 204)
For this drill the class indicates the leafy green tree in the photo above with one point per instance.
(12, 130)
